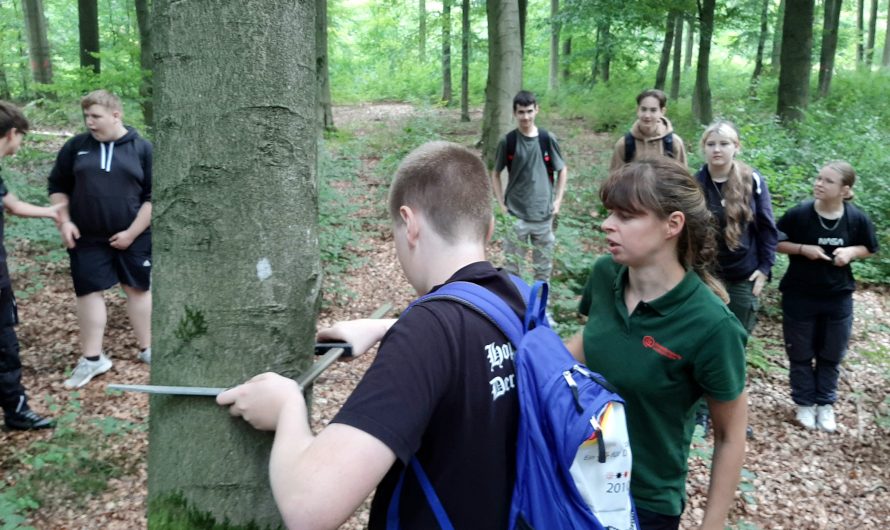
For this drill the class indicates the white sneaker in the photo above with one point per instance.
(86, 370)
(806, 416)
(825, 418)
(145, 355)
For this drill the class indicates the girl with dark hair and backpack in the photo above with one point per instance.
(651, 135)
(739, 199)
(821, 237)
(659, 330)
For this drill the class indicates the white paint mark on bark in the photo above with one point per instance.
(263, 269)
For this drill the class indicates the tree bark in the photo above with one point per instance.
(597, 53)
(88, 25)
(566, 55)
(235, 238)
(4, 85)
(322, 74)
(885, 60)
(830, 23)
(523, 16)
(872, 30)
(446, 52)
(504, 73)
(553, 80)
(665, 58)
(146, 61)
(797, 46)
(678, 58)
(24, 73)
(776, 55)
(701, 94)
(690, 33)
(606, 58)
(465, 61)
(860, 31)
(761, 44)
(35, 22)
(421, 12)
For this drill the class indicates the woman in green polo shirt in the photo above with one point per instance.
(659, 330)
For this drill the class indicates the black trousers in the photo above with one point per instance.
(12, 393)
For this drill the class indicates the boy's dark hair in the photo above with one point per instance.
(653, 93)
(524, 98)
(11, 117)
(103, 98)
(449, 184)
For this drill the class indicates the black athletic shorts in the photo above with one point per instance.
(9, 313)
(96, 266)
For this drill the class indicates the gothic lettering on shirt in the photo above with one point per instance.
(498, 354)
(501, 385)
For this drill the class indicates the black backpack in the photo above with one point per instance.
(630, 146)
(543, 141)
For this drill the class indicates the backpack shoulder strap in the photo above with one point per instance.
(484, 302)
(668, 142)
(630, 147)
(544, 142)
(511, 148)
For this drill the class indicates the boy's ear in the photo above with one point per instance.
(675, 223)
(412, 224)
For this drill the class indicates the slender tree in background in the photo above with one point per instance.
(235, 281)
(690, 34)
(24, 70)
(665, 57)
(701, 93)
(446, 52)
(322, 75)
(146, 60)
(797, 47)
(523, 16)
(830, 22)
(465, 61)
(38, 44)
(761, 44)
(553, 78)
(678, 58)
(4, 84)
(421, 36)
(566, 55)
(776, 55)
(885, 60)
(872, 30)
(602, 60)
(860, 31)
(504, 73)
(88, 25)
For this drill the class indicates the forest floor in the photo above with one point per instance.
(792, 478)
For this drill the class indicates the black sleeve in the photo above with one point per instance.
(145, 158)
(865, 233)
(61, 178)
(400, 391)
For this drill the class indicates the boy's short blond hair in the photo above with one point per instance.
(103, 98)
(449, 184)
(11, 117)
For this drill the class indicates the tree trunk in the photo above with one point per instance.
(776, 55)
(607, 52)
(872, 30)
(761, 44)
(88, 23)
(665, 58)
(701, 96)
(41, 64)
(421, 12)
(830, 25)
(797, 47)
(504, 73)
(146, 61)
(237, 274)
(24, 73)
(553, 79)
(322, 74)
(4, 85)
(678, 58)
(885, 60)
(860, 31)
(465, 61)
(566, 55)
(690, 33)
(446, 52)
(597, 53)
(523, 16)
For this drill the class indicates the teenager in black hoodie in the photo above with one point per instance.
(103, 177)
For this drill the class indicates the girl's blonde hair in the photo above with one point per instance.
(847, 173)
(736, 192)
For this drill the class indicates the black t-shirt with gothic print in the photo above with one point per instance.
(443, 387)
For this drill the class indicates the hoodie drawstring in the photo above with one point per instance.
(102, 160)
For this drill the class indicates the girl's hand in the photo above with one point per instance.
(843, 256)
(814, 252)
(759, 279)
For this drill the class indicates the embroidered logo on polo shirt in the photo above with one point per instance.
(650, 342)
(79, 153)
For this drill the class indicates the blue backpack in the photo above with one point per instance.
(573, 457)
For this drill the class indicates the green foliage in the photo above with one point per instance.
(75, 463)
(173, 512)
(192, 325)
